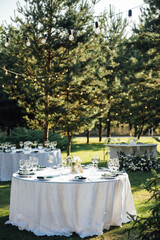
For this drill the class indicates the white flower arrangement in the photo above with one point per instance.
(133, 162)
(71, 160)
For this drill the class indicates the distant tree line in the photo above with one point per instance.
(59, 74)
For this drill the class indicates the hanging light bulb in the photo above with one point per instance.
(7, 42)
(130, 13)
(97, 29)
(71, 37)
(6, 72)
(28, 43)
(16, 76)
(44, 40)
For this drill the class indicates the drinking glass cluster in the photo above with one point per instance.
(7, 146)
(28, 165)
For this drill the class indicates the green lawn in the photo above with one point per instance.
(85, 152)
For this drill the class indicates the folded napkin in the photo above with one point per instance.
(77, 178)
(109, 175)
(44, 177)
(19, 151)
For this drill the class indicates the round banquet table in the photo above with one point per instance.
(9, 162)
(60, 204)
(139, 149)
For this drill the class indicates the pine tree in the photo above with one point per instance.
(144, 83)
(51, 85)
(107, 68)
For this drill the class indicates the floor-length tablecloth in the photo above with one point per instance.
(62, 205)
(139, 149)
(9, 162)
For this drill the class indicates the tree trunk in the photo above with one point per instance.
(88, 135)
(69, 143)
(108, 128)
(108, 125)
(100, 130)
(140, 132)
(135, 130)
(8, 131)
(46, 132)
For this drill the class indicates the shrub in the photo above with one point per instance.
(24, 134)
(133, 162)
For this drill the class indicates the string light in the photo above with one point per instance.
(71, 37)
(28, 43)
(126, 11)
(21, 75)
(130, 13)
(97, 29)
(44, 40)
(7, 42)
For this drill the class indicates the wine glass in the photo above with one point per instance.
(21, 144)
(97, 159)
(94, 163)
(51, 159)
(21, 164)
(115, 164)
(110, 164)
(13, 146)
(35, 144)
(40, 146)
(35, 162)
(46, 144)
(93, 160)
(54, 144)
(28, 165)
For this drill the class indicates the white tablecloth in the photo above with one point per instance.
(61, 206)
(129, 148)
(9, 162)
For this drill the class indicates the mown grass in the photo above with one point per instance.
(85, 152)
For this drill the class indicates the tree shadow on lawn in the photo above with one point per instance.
(5, 188)
(87, 147)
(10, 232)
(138, 180)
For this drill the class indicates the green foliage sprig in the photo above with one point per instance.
(149, 228)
